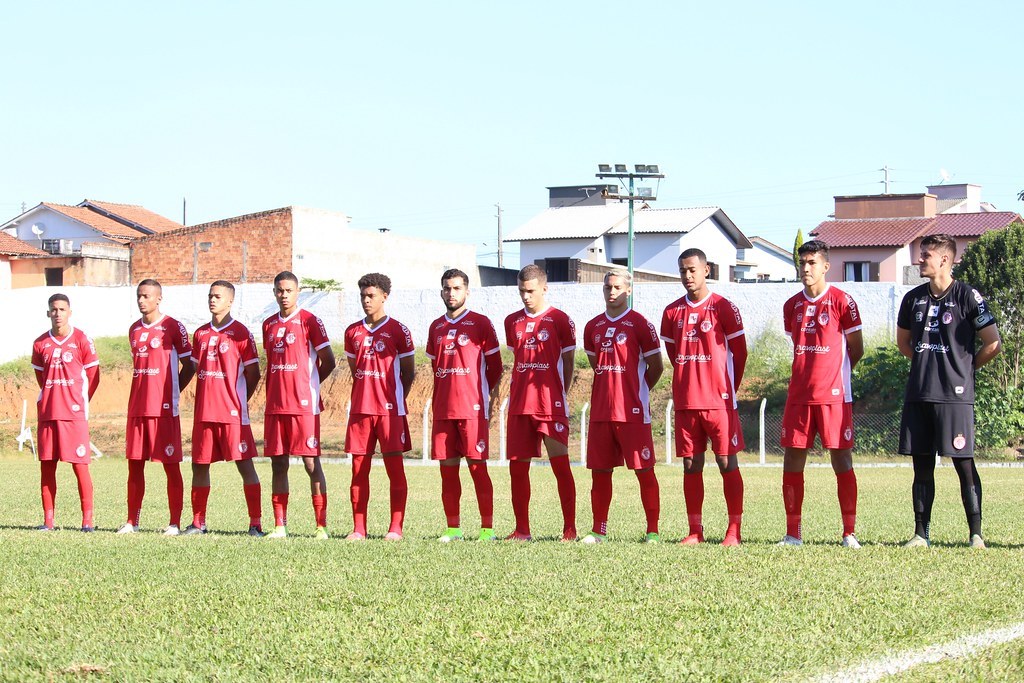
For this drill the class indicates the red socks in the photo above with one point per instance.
(566, 491)
(136, 489)
(175, 491)
(360, 492)
(732, 484)
(793, 501)
(484, 492)
(320, 509)
(650, 497)
(48, 489)
(253, 504)
(451, 494)
(200, 497)
(519, 471)
(395, 467)
(279, 502)
(693, 494)
(846, 484)
(84, 491)
(600, 499)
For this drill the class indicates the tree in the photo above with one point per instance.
(796, 256)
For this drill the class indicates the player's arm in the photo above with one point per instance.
(92, 374)
(655, 366)
(40, 379)
(738, 349)
(252, 378)
(904, 342)
(186, 372)
(493, 370)
(325, 362)
(991, 345)
(568, 367)
(406, 371)
(855, 346)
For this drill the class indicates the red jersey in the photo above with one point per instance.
(63, 362)
(538, 342)
(157, 350)
(377, 384)
(821, 363)
(293, 383)
(220, 356)
(457, 350)
(620, 347)
(697, 336)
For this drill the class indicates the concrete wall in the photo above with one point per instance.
(109, 311)
(5, 272)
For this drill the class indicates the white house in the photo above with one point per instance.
(766, 261)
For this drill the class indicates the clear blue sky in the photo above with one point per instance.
(421, 116)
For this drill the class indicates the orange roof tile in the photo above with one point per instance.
(897, 232)
(136, 214)
(105, 226)
(12, 246)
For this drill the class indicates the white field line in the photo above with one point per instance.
(959, 648)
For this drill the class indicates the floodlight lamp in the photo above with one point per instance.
(640, 168)
(604, 168)
(653, 169)
(620, 168)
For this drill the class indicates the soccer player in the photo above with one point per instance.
(299, 359)
(543, 341)
(68, 372)
(937, 328)
(380, 355)
(703, 334)
(463, 349)
(825, 327)
(227, 372)
(625, 353)
(162, 367)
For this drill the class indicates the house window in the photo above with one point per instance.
(713, 275)
(624, 262)
(54, 277)
(557, 269)
(860, 271)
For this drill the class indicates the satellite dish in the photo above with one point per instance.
(944, 176)
(38, 229)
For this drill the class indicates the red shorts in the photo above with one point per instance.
(527, 432)
(612, 444)
(694, 427)
(153, 438)
(64, 440)
(833, 422)
(466, 438)
(366, 431)
(221, 441)
(291, 435)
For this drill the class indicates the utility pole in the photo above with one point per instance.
(885, 178)
(501, 260)
(183, 211)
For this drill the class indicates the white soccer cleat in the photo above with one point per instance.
(850, 541)
(790, 540)
(128, 528)
(278, 532)
(977, 542)
(592, 539)
(917, 542)
(172, 530)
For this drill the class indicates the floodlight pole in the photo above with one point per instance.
(629, 253)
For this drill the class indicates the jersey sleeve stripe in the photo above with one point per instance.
(407, 354)
(36, 367)
(429, 355)
(568, 348)
(492, 351)
(670, 340)
(350, 354)
(251, 361)
(325, 344)
(652, 352)
(732, 336)
(88, 365)
(852, 329)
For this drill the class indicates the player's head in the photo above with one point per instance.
(58, 310)
(618, 285)
(374, 289)
(694, 271)
(221, 296)
(937, 255)
(813, 257)
(286, 291)
(148, 295)
(533, 286)
(454, 289)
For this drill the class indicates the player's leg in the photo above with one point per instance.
(600, 503)
(970, 495)
(923, 493)
(85, 493)
(48, 491)
(394, 465)
(732, 486)
(636, 447)
(693, 496)
(523, 444)
(318, 493)
(175, 497)
(136, 493)
(846, 489)
(451, 497)
(359, 491)
(918, 439)
(279, 494)
(253, 495)
(200, 496)
(558, 456)
(650, 498)
(798, 431)
(484, 497)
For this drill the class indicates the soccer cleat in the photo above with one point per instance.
(977, 542)
(652, 537)
(193, 530)
(791, 540)
(850, 541)
(517, 536)
(128, 528)
(87, 529)
(487, 535)
(321, 533)
(256, 531)
(278, 532)
(692, 539)
(393, 536)
(356, 536)
(172, 530)
(731, 540)
(592, 538)
(917, 542)
(569, 535)
(43, 527)
(453, 534)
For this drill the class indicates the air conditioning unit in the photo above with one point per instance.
(66, 247)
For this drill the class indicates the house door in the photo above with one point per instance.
(54, 277)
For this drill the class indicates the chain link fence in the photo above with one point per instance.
(873, 433)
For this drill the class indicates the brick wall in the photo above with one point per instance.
(214, 251)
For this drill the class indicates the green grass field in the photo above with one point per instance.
(228, 607)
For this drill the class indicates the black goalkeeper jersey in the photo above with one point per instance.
(943, 331)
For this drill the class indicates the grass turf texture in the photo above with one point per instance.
(226, 606)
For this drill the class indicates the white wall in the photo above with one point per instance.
(5, 272)
(57, 226)
(708, 236)
(108, 311)
(531, 250)
(777, 267)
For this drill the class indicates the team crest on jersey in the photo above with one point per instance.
(290, 338)
(243, 447)
(224, 346)
(559, 427)
(823, 318)
(481, 446)
(959, 441)
(463, 339)
(621, 338)
(80, 451)
(311, 442)
(705, 326)
(67, 357)
(379, 346)
(645, 453)
(168, 450)
(848, 434)
(155, 343)
(543, 335)
(693, 319)
(947, 318)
